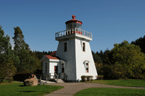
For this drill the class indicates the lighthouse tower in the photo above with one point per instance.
(74, 49)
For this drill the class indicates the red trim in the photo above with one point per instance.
(73, 16)
(72, 32)
(51, 57)
(78, 32)
(73, 20)
(53, 53)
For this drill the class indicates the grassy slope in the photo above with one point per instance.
(111, 92)
(130, 82)
(17, 89)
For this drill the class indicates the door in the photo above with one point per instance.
(62, 68)
(56, 69)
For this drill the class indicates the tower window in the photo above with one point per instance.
(83, 46)
(87, 67)
(65, 47)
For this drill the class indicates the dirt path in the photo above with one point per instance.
(72, 88)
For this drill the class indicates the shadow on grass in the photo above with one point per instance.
(22, 85)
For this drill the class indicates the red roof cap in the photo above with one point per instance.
(73, 17)
(73, 20)
(51, 57)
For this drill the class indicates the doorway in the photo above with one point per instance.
(62, 68)
(56, 69)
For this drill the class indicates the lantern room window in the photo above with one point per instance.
(84, 47)
(72, 26)
(65, 47)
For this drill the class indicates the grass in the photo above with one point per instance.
(18, 89)
(110, 92)
(127, 83)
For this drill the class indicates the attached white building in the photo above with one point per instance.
(73, 57)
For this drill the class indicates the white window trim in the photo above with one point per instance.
(85, 62)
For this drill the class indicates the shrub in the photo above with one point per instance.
(100, 77)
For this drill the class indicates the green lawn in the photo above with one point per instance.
(129, 82)
(17, 89)
(111, 92)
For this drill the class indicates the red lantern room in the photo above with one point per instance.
(73, 28)
(73, 23)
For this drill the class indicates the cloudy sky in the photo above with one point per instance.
(110, 21)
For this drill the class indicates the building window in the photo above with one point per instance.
(62, 68)
(56, 69)
(45, 67)
(87, 67)
(84, 47)
(65, 47)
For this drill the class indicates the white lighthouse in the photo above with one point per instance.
(73, 57)
(74, 49)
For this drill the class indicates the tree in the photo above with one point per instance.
(97, 58)
(4, 41)
(7, 58)
(36, 63)
(19, 40)
(140, 42)
(29, 63)
(129, 58)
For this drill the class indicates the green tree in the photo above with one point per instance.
(29, 63)
(7, 58)
(97, 58)
(19, 40)
(4, 41)
(36, 63)
(140, 42)
(129, 60)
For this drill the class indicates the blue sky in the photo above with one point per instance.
(110, 21)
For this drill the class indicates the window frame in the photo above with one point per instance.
(86, 64)
(84, 47)
(87, 67)
(65, 47)
(45, 67)
(62, 69)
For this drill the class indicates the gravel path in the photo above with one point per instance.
(72, 88)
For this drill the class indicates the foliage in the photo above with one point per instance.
(40, 54)
(29, 63)
(140, 42)
(100, 77)
(108, 72)
(19, 40)
(36, 63)
(129, 60)
(123, 61)
(99, 67)
(4, 41)
(110, 92)
(18, 89)
(7, 58)
(96, 58)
